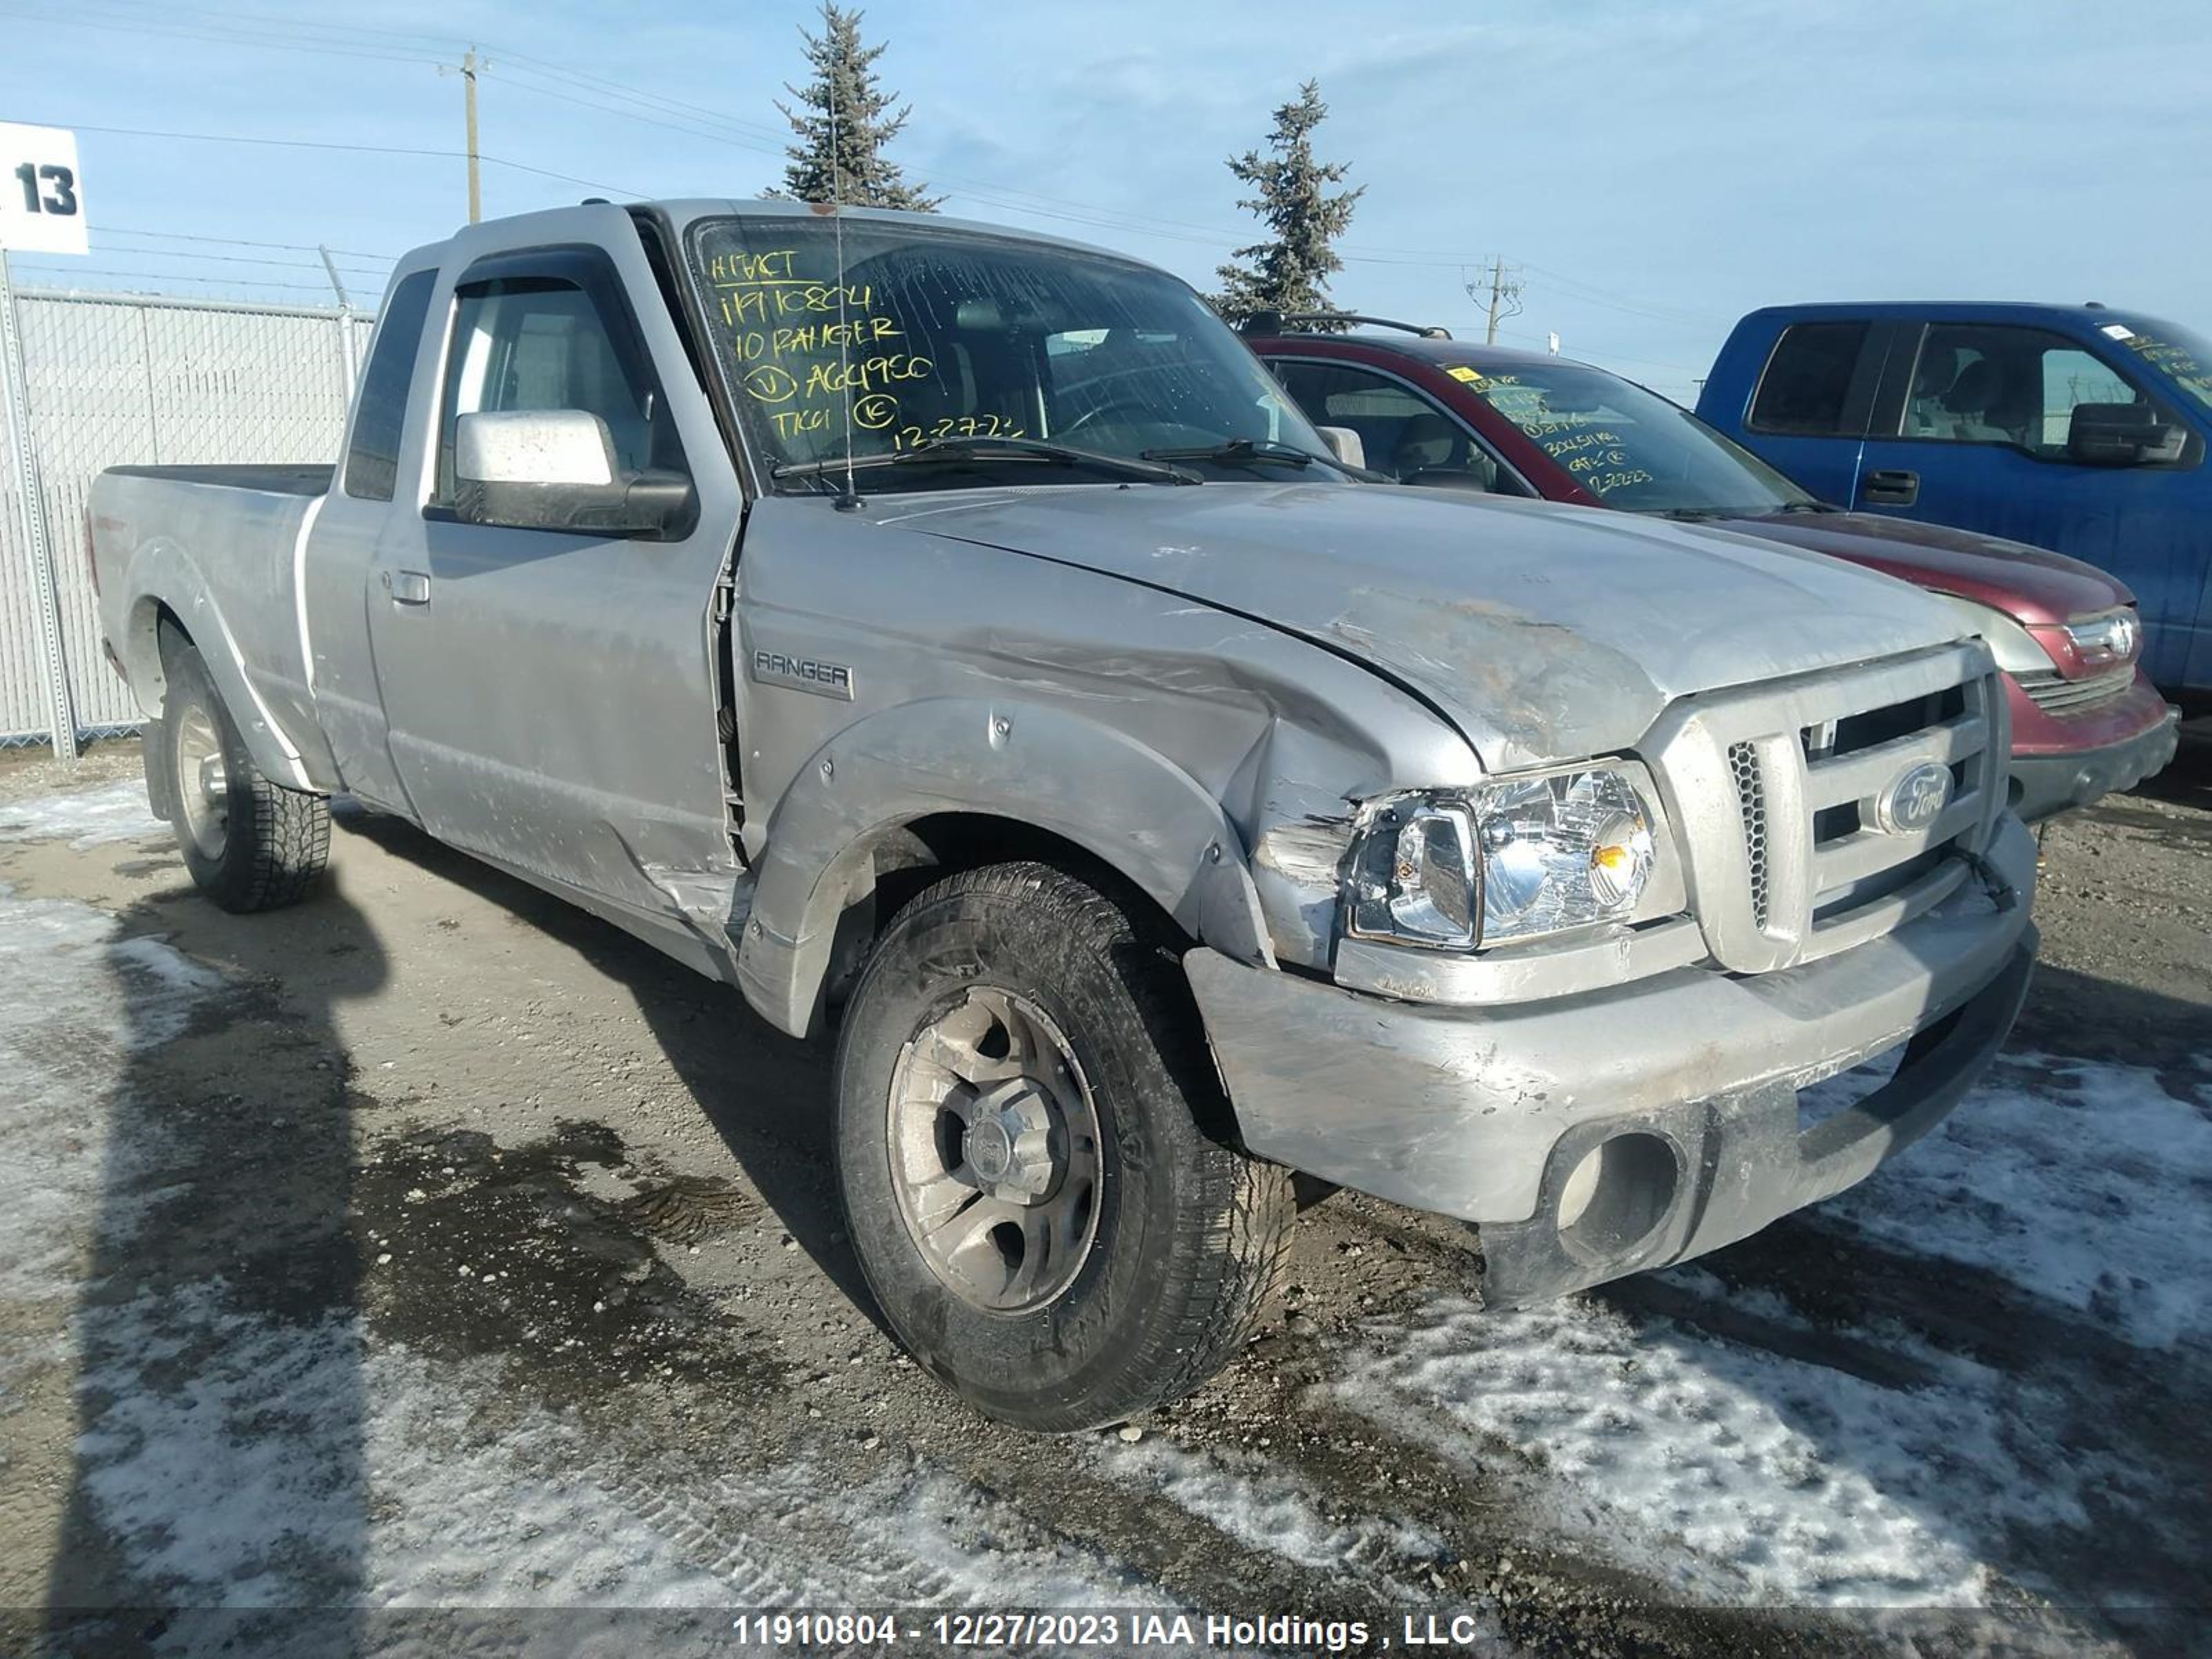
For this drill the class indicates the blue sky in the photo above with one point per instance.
(1655, 171)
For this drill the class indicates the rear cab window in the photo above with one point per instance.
(371, 465)
(1808, 385)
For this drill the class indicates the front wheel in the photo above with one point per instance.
(250, 844)
(1021, 1087)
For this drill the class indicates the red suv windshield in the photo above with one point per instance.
(1630, 447)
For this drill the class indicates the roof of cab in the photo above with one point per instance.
(560, 224)
(2083, 317)
(1444, 354)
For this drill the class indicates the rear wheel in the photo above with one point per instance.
(250, 844)
(1021, 1085)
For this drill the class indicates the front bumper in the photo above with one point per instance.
(1687, 1080)
(2046, 783)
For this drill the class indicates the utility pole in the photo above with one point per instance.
(467, 71)
(469, 94)
(1503, 292)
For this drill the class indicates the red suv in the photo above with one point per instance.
(1435, 412)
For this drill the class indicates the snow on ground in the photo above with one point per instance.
(1246, 1496)
(1729, 1472)
(2082, 1182)
(240, 1459)
(86, 818)
(1742, 1473)
(78, 997)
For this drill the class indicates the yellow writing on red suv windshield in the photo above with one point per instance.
(1587, 444)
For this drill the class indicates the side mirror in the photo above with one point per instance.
(1343, 443)
(556, 469)
(2121, 435)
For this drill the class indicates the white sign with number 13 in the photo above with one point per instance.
(42, 196)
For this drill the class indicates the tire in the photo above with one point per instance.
(1114, 1303)
(250, 844)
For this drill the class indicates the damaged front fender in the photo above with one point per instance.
(836, 829)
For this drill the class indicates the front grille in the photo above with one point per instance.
(1751, 803)
(2054, 695)
(1851, 797)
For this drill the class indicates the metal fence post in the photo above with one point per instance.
(53, 666)
(346, 366)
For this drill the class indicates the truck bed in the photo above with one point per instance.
(218, 546)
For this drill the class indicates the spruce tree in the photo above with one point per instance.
(857, 173)
(1289, 273)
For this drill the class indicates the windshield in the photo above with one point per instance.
(1629, 447)
(948, 337)
(2180, 356)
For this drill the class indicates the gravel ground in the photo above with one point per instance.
(433, 1247)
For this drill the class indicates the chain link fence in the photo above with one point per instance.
(141, 380)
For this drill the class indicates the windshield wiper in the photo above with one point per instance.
(1038, 450)
(1809, 506)
(1242, 451)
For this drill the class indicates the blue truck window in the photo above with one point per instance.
(1808, 381)
(373, 462)
(1997, 384)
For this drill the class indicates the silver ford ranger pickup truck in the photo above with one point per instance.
(954, 639)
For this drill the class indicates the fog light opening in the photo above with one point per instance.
(1617, 1196)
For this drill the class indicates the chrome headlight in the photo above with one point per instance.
(1516, 858)
(2108, 639)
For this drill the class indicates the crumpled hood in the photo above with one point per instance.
(1544, 633)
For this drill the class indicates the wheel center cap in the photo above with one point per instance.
(990, 1149)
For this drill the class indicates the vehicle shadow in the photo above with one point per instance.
(218, 1497)
(766, 1095)
(2187, 779)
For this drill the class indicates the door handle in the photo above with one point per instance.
(1893, 487)
(408, 587)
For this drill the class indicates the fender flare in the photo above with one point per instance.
(1127, 804)
(161, 574)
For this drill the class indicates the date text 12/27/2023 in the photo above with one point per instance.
(1017, 1630)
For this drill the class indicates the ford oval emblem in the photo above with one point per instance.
(1915, 800)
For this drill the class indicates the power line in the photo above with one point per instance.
(180, 29)
(1591, 294)
(583, 90)
(49, 268)
(101, 245)
(363, 150)
(242, 241)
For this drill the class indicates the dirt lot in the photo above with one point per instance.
(433, 1247)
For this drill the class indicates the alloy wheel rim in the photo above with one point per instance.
(202, 780)
(994, 1151)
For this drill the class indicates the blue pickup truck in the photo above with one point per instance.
(2075, 427)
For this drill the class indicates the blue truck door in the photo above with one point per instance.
(1971, 430)
(1807, 410)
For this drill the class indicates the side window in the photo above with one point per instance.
(1979, 383)
(533, 342)
(1807, 387)
(371, 466)
(1402, 433)
(2071, 377)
